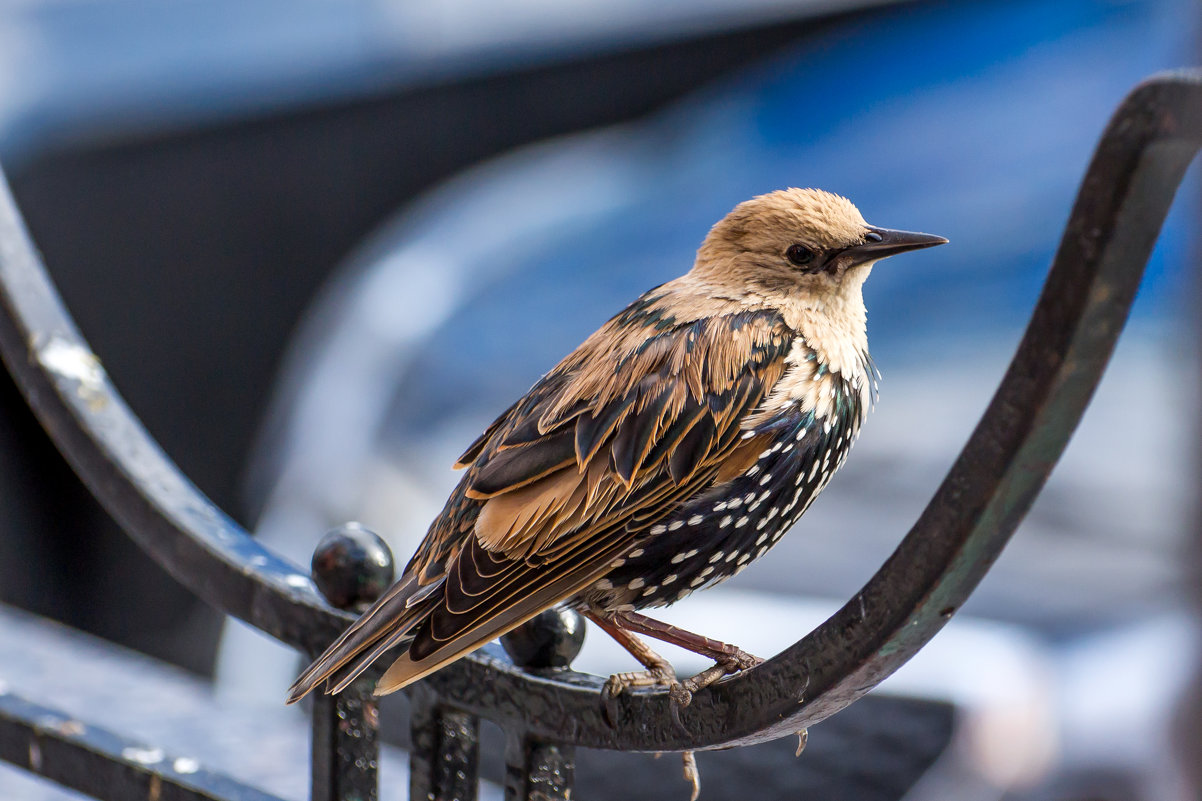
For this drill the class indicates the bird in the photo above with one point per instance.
(663, 455)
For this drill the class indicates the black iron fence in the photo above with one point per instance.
(547, 711)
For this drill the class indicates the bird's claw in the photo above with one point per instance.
(681, 693)
(732, 663)
(609, 707)
(803, 737)
(679, 698)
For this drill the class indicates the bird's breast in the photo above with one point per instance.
(718, 532)
(811, 384)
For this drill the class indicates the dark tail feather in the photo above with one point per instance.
(381, 627)
(342, 678)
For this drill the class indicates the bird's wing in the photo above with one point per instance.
(642, 416)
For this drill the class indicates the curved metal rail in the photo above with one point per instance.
(1122, 203)
(1120, 207)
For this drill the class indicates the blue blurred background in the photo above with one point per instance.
(318, 245)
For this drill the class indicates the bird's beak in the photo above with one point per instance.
(881, 243)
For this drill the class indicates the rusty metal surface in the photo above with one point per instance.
(1123, 200)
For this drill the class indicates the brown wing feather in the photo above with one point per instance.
(635, 421)
(434, 653)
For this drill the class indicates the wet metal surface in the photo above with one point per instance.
(444, 758)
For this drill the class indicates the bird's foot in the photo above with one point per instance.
(682, 693)
(727, 659)
(726, 664)
(803, 737)
(659, 676)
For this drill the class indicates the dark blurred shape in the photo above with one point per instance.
(352, 567)
(61, 556)
(550, 639)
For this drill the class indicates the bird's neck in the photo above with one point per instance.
(834, 325)
(837, 332)
(831, 349)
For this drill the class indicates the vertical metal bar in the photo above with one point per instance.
(346, 747)
(538, 771)
(444, 759)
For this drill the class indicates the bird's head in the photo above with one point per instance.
(798, 246)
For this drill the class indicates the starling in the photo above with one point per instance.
(666, 453)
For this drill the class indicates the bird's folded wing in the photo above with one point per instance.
(578, 471)
(643, 415)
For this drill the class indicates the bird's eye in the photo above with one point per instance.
(799, 255)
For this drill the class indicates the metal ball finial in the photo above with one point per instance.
(551, 639)
(352, 566)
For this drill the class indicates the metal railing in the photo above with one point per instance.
(1122, 203)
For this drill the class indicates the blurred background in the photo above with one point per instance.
(319, 245)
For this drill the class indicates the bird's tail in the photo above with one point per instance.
(387, 624)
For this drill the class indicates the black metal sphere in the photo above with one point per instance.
(551, 639)
(352, 566)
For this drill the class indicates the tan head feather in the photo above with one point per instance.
(811, 216)
(746, 256)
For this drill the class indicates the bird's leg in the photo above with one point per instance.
(728, 658)
(659, 672)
